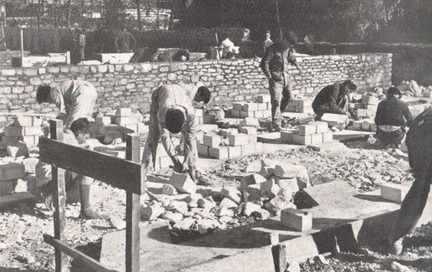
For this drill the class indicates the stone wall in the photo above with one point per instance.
(130, 85)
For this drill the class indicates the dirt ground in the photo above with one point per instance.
(360, 164)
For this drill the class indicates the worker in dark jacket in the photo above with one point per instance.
(274, 64)
(333, 99)
(391, 118)
(419, 145)
(124, 41)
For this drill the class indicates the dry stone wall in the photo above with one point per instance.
(130, 85)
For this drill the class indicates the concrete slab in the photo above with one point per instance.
(349, 215)
(351, 134)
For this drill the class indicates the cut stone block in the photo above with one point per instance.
(152, 212)
(252, 138)
(123, 112)
(220, 152)
(32, 130)
(264, 99)
(296, 219)
(12, 131)
(228, 131)
(238, 139)
(288, 170)
(103, 120)
(364, 113)
(12, 171)
(321, 127)
(394, 192)
(327, 137)
(336, 120)
(212, 140)
(289, 184)
(232, 193)
(307, 129)
(366, 125)
(6, 187)
(373, 127)
(287, 137)
(370, 100)
(203, 150)
(281, 201)
(262, 106)
(249, 122)
(248, 130)
(22, 121)
(251, 179)
(250, 107)
(31, 139)
(237, 106)
(228, 203)
(252, 193)
(25, 185)
(168, 189)
(234, 151)
(250, 207)
(357, 125)
(235, 113)
(250, 149)
(183, 183)
(302, 139)
(316, 138)
(269, 188)
(126, 120)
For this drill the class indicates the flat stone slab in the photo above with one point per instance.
(247, 248)
(328, 146)
(270, 137)
(347, 134)
(13, 200)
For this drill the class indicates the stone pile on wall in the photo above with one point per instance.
(239, 80)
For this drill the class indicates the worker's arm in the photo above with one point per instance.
(378, 115)
(265, 62)
(333, 95)
(293, 61)
(407, 115)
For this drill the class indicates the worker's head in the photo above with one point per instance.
(288, 40)
(175, 119)
(43, 94)
(267, 34)
(81, 129)
(349, 86)
(393, 92)
(203, 95)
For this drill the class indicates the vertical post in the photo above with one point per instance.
(22, 43)
(132, 210)
(59, 198)
(279, 257)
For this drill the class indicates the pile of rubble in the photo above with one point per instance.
(191, 208)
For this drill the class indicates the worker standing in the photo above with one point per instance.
(75, 98)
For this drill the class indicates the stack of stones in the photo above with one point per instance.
(367, 108)
(13, 179)
(232, 143)
(260, 109)
(308, 134)
(364, 125)
(300, 106)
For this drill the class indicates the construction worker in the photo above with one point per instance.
(267, 41)
(172, 111)
(333, 99)
(419, 145)
(391, 118)
(77, 135)
(75, 98)
(124, 41)
(274, 64)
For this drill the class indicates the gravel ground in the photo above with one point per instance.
(361, 165)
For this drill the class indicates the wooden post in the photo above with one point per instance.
(132, 210)
(59, 198)
(279, 257)
(22, 43)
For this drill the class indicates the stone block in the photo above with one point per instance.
(12, 131)
(264, 99)
(249, 122)
(287, 137)
(371, 108)
(327, 137)
(370, 100)
(7, 187)
(251, 179)
(168, 189)
(296, 219)
(238, 140)
(18, 149)
(248, 130)
(36, 121)
(269, 188)
(244, 114)
(103, 120)
(32, 130)
(12, 171)
(302, 139)
(394, 192)
(151, 212)
(250, 207)
(288, 184)
(183, 183)
(364, 113)
(237, 106)
(228, 203)
(336, 120)
(126, 120)
(203, 150)
(212, 140)
(288, 170)
(307, 129)
(317, 138)
(114, 134)
(262, 106)
(232, 193)
(373, 127)
(366, 125)
(250, 107)
(357, 125)
(22, 121)
(252, 193)
(220, 152)
(123, 112)
(321, 127)
(228, 131)
(234, 152)
(25, 185)
(235, 113)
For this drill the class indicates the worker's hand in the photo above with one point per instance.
(62, 116)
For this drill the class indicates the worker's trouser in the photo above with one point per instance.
(392, 137)
(280, 93)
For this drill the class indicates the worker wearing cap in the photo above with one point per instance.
(333, 99)
(392, 117)
(172, 111)
(75, 98)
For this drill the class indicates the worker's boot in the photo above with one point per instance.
(86, 211)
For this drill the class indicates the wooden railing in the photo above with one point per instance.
(127, 174)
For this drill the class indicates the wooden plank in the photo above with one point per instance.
(133, 210)
(117, 172)
(81, 257)
(59, 199)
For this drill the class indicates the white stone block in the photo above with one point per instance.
(296, 219)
